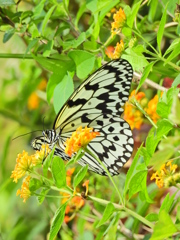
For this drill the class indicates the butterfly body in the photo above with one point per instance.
(97, 103)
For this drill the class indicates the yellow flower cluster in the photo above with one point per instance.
(119, 20)
(80, 138)
(25, 164)
(166, 176)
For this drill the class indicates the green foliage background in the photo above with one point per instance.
(62, 41)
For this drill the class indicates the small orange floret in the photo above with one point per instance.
(109, 51)
(33, 101)
(151, 109)
(86, 184)
(79, 139)
(24, 192)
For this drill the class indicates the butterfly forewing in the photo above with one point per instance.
(105, 91)
(98, 103)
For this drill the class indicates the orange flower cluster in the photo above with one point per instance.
(76, 202)
(132, 115)
(115, 53)
(33, 100)
(24, 164)
(24, 192)
(119, 20)
(166, 176)
(151, 109)
(80, 138)
(135, 117)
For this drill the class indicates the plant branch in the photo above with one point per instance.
(152, 84)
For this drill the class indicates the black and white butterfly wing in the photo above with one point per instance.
(98, 103)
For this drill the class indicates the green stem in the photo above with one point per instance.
(123, 208)
(139, 35)
(65, 190)
(105, 169)
(136, 104)
(11, 55)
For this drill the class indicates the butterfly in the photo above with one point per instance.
(97, 103)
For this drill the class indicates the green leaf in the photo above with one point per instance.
(58, 172)
(113, 223)
(107, 214)
(34, 184)
(161, 29)
(80, 176)
(33, 30)
(131, 170)
(8, 34)
(133, 15)
(160, 157)
(164, 126)
(62, 92)
(152, 217)
(38, 9)
(174, 116)
(57, 221)
(59, 67)
(76, 157)
(167, 203)
(92, 5)
(173, 45)
(164, 228)
(154, 136)
(138, 61)
(165, 102)
(42, 195)
(145, 74)
(80, 12)
(46, 19)
(176, 81)
(47, 162)
(75, 42)
(48, 48)
(30, 46)
(174, 53)
(138, 183)
(84, 62)
(106, 8)
(96, 30)
(5, 3)
(152, 10)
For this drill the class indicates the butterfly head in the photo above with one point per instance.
(50, 135)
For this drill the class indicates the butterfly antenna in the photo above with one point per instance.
(43, 122)
(26, 134)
